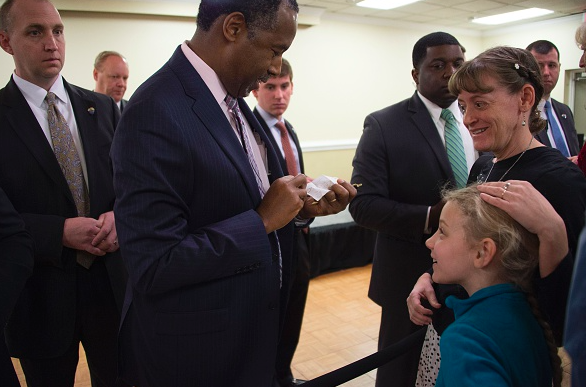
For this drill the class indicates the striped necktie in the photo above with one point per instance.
(70, 163)
(234, 110)
(455, 148)
(558, 136)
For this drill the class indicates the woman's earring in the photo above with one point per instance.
(524, 122)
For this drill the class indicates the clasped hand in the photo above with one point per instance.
(96, 236)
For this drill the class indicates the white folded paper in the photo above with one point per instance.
(320, 186)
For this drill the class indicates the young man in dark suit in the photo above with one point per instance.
(273, 98)
(55, 169)
(559, 115)
(401, 164)
(204, 213)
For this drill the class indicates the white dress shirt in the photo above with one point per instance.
(35, 96)
(435, 113)
(271, 122)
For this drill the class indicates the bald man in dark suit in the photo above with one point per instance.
(206, 227)
(54, 163)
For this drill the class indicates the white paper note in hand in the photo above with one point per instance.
(320, 186)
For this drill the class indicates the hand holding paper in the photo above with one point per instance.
(325, 196)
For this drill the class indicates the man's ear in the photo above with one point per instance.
(5, 42)
(95, 75)
(234, 26)
(486, 251)
(415, 75)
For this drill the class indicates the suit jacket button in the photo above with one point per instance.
(272, 305)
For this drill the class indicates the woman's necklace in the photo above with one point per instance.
(511, 167)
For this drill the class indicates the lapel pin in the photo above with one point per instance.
(564, 116)
(91, 110)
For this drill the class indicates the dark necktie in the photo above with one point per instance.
(455, 148)
(558, 136)
(70, 163)
(287, 149)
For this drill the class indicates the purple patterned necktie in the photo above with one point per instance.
(70, 163)
(237, 115)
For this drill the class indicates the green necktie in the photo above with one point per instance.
(455, 148)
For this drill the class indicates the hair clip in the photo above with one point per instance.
(516, 66)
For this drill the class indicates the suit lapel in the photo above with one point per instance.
(296, 141)
(86, 118)
(25, 124)
(207, 110)
(273, 160)
(425, 124)
(272, 141)
(562, 112)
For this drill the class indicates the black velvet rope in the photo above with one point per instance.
(362, 366)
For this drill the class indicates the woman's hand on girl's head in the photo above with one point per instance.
(533, 211)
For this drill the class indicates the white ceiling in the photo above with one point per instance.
(450, 13)
(443, 13)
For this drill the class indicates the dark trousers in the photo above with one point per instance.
(401, 371)
(294, 311)
(96, 327)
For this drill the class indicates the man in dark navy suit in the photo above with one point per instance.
(273, 98)
(204, 214)
(55, 169)
(548, 57)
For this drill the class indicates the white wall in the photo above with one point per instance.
(146, 41)
(343, 69)
(560, 32)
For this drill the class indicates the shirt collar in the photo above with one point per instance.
(206, 73)
(36, 95)
(436, 111)
(268, 117)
